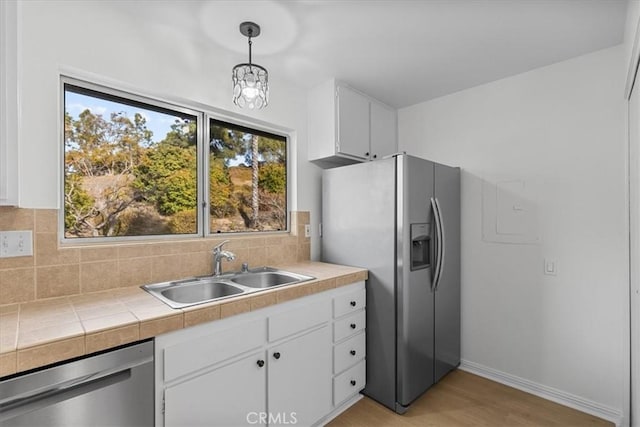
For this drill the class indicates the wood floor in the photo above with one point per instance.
(464, 399)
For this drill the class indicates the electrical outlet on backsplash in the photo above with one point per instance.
(55, 271)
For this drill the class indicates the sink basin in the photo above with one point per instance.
(183, 293)
(199, 290)
(267, 279)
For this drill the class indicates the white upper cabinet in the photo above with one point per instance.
(383, 131)
(352, 137)
(347, 126)
(8, 102)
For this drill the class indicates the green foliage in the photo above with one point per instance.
(183, 134)
(273, 178)
(221, 202)
(272, 150)
(95, 146)
(229, 142)
(142, 220)
(178, 192)
(184, 222)
(166, 177)
(225, 143)
(118, 181)
(78, 204)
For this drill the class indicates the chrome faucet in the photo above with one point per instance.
(218, 254)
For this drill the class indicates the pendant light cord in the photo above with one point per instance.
(250, 34)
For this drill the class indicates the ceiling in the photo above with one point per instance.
(399, 51)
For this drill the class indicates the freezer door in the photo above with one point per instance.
(447, 295)
(414, 294)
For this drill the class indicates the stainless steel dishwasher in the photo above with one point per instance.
(114, 388)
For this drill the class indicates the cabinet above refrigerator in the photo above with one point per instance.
(346, 126)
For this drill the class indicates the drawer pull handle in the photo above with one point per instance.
(353, 303)
(353, 352)
(353, 326)
(353, 382)
(260, 363)
(276, 355)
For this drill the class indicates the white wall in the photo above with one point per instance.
(8, 102)
(630, 29)
(560, 127)
(632, 50)
(99, 38)
(634, 249)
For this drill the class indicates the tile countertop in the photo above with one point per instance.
(39, 333)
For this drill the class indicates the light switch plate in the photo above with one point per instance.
(550, 267)
(16, 243)
(307, 230)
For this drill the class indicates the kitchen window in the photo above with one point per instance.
(136, 167)
(247, 179)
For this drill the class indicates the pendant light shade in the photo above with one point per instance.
(250, 81)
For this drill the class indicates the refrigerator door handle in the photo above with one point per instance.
(438, 232)
(442, 246)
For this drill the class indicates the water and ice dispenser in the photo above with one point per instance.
(420, 246)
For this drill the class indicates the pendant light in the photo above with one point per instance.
(250, 81)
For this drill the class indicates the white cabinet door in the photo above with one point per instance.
(353, 123)
(300, 378)
(383, 131)
(232, 395)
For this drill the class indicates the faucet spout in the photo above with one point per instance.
(219, 255)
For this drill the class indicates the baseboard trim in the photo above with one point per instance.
(545, 392)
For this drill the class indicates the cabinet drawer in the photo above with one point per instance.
(197, 353)
(348, 353)
(349, 383)
(348, 326)
(297, 320)
(349, 302)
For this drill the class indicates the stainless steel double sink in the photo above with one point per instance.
(199, 290)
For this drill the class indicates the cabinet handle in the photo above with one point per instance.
(353, 326)
(366, 154)
(353, 352)
(276, 355)
(260, 363)
(375, 156)
(353, 382)
(353, 303)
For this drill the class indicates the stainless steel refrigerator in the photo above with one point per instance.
(400, 218)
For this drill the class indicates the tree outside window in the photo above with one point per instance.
(248, 179)
(131, 169)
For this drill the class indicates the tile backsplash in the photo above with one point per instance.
(55, 271)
